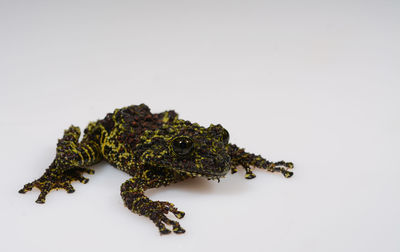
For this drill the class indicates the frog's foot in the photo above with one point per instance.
(282, 167)
(54, 181)
(157, 211)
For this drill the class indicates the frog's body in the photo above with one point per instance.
(156, 149)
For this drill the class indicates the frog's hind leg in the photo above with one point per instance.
(71, 161)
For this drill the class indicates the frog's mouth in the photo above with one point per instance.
(214, 167)
(211, 174)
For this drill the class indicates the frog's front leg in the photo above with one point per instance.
(241, 158)
(132, 192)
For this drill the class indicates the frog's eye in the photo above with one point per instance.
(225, 137)
(182, 145)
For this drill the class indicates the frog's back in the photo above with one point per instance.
(123, 128)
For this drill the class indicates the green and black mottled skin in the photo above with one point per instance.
(156, 150)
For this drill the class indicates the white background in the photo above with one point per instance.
(313, 82)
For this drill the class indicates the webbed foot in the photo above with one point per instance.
(51, 180)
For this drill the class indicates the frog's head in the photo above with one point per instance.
(187, 148)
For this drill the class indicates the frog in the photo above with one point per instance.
(155, 149)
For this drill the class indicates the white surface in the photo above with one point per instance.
(313, 82)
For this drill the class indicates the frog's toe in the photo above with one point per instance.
(171, 208)
(179, 214)
(76, 174)
(176, 227)
(81, 170)
(233, 169)
(67, 187)
(42, 198)
(43, 193)
(88, 171)
(83, 180)
(249, 175)
(163, 230)
(288, 165)
(160, 220)
(28, 187)
(288, 174)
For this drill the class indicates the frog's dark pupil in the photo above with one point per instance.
(182, 145)
(225, 137)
